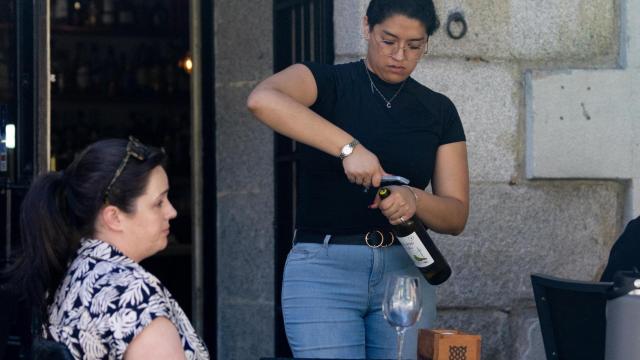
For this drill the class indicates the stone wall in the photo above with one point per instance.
(523, 219)
(520, 222)
(244, 150)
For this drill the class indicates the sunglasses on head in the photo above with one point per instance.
(135, 149)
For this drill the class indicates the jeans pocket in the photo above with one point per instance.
(304, 251)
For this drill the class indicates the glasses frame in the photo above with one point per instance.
(393, 49)
(134, 148)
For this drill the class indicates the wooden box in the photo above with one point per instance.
(441, 344)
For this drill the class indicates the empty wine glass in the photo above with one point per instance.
(402, 305)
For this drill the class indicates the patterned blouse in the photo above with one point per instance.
(106, 299)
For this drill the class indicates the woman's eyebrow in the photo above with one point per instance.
(397, 37)
(162, 194)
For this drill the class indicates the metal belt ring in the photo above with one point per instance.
(366, 239)
(392, 240)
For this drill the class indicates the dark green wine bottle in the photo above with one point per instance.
(418, 244)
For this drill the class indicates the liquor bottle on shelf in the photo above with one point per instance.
(110, 73)
(93, 13)
(58, 68)
(95, 69)
(143, 60)
(170, 70)
(81, 68)
(77, 12)
(156, 80)
(159, 16)
(127, 79)
(4, 64)
(126, 14)
(4, 119)
(107, 15)
(420, 247)
(60, 12)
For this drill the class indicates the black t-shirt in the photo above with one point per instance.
(405, 139)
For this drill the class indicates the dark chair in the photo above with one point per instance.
(572, 317)
(49, 350)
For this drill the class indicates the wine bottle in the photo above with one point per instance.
(418, 244)
(3, 147)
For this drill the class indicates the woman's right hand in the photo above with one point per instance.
(362, 167)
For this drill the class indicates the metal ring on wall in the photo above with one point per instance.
(456, 17)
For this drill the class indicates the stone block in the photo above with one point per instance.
(243, 40)
(487, 98)
(550, 31)
(574, 31)
(492, 325)
(580, 124)
(244, 146)
(347, 19)
(564, 229)
(245, 331)
(245, 247)
(526, 335)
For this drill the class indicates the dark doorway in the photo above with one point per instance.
(303, 31)
(123, 68)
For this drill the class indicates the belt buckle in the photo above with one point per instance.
(382, 242)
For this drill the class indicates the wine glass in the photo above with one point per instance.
(402, 305)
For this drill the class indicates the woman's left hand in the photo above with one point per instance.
(398, 207)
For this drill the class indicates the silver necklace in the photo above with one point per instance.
(374, 87)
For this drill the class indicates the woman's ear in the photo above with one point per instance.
(365, 28)
(111, 218)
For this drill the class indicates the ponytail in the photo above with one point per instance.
(48, 242)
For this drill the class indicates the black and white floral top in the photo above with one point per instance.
(106, 299)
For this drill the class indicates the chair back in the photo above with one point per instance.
(572, 317)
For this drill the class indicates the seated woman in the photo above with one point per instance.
(84, 231)
(625, 253)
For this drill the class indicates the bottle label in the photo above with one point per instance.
(416, 250)
(3, 157)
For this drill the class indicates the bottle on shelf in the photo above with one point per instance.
(60, 12)
(58, 68)
(95, 70)
(93, 13)
(5, 82)
(4, 119)
(159, 16)
(77, 12)
(143, 62)
(81, 68)
(110, 73)
(418, 244)
(126, 14)
(107, 15)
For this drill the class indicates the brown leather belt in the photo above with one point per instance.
(373, 239)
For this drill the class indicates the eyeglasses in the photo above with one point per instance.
(412, 51)
(134, 148)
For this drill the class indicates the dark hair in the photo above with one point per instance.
(60, 208)
(422, 10)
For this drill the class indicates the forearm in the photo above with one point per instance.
(446, 215)
(296, 121)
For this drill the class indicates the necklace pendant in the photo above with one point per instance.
(388, 105)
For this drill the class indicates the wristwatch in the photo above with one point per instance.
(348, 149)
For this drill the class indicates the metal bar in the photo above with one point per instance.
(43, 89)
(8, 236)
(196, 167)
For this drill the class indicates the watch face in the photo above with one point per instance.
(347, 149)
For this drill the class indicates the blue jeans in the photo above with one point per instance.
(332, 301)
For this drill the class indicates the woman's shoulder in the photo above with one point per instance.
(338, 70)
(426, 93)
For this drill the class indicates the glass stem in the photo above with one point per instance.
(400, 341)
